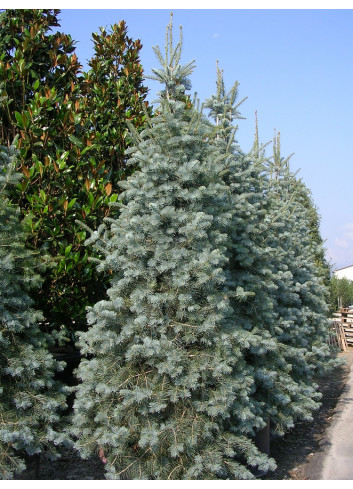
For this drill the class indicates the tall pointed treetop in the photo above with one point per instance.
(172, 74)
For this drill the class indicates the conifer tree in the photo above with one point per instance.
(299, 296)
(167, 393)
(314, 220)
(269, 226)
(249, 263)
(30, 398)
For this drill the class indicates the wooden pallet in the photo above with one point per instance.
(344, 318)
(339, 337)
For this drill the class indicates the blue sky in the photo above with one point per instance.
(294, 66)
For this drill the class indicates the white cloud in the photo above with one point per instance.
(341, 243)
(349, 226)
(340, 254)
(215, 35)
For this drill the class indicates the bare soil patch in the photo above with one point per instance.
(294, 450)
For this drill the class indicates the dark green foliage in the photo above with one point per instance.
(31, 58)
(71, 150)
(341, 293)
(30, 398)
(114, 94)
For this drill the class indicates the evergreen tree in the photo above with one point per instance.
(314, 219)
(72, 136)
(114, 95)
(271, 232)
(30, 398)
(40, 93)
(250, 255)
(32, 57)
(248, 252)
(167, 393)
(300, 295)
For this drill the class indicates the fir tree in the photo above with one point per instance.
(167, 394)
(314, 219)
(30, 398)
(248, 265)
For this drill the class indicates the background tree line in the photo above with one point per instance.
(341, 293)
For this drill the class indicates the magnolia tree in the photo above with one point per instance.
(72, 136)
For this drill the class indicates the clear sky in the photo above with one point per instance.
(294, 66)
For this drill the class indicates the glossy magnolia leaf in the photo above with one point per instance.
(75, 140)
(19, 118)
(74, 127)
(108, 188)
(71, 203)
(25, 171)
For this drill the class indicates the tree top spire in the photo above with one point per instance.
(172, 74)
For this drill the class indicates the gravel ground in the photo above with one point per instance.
(291, 452)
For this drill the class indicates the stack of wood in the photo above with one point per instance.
(342, 324)
(338, 337)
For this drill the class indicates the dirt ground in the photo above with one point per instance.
(291, 452)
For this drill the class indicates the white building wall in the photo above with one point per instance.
(346, 272)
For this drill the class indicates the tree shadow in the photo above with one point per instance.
(305, 439)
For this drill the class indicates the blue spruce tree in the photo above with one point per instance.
(249, 253)
(30, 398)
(300, 296)
(165, 392)
(280, 296)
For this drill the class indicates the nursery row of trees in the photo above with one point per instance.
(207, 308)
